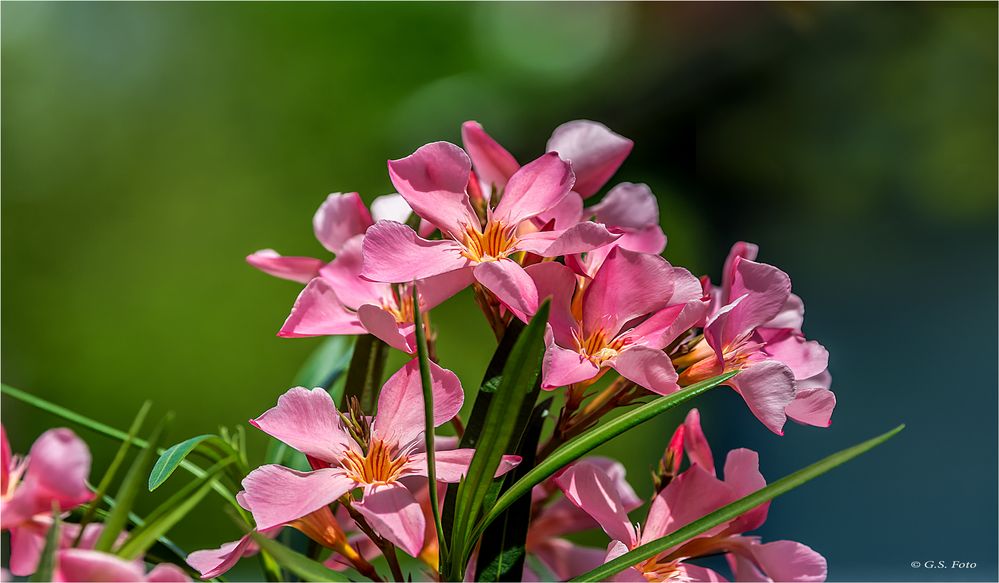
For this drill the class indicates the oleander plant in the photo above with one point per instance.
(596, 333)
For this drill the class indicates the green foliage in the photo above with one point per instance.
(306, 568)
(172, 457)
(735, 509)
(47, 560)
(364, 376)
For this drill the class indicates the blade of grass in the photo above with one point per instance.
(733, 510)
(306, 568)
(586, 442)
(428, 416)
(47, 561)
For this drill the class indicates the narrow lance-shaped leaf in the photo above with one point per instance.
(428, 417)
(593, 438)
(733, 510)
(520, 377)
(306, 568)
(47, 560)
(130, 487)
(364, 376)
(170, 460)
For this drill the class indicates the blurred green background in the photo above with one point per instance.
(147, 148)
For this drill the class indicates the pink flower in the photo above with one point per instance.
(433, 180)
(89, 565)
(55, 472)
(373, 456)
(634, 307)
(694, 493)
(755, 328)
(339, 219)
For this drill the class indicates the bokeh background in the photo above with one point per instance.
(147, 148)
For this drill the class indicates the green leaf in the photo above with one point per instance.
(168, 514)
(428, 418)
(499, 436)
(306, 568)
(593, 438)
(47, 561)
(501, 552)
(130, 486)
(171, 458)
(364, 377)
(108, 431)
(112, 471)
(733, 510)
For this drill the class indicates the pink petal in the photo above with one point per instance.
(167, 573)
(594, 151)
(344, 276)
(340, 218)
(384, 326)
(307, 421)
(214, 562)
(691, 495)
(628, 206)
(786, 560)
(695, 574)
(58, 467)
(565, 559)
(438, 288)
(740, 250)
(395, 514)
(768, 388)
(742, 474)
(534, 189)
(562, 367)
(696, 444)
(278, 495)
(765, 289)
(318, 312)
(805, 358)
(586, 486)
(399, 418)
(5, 460)
(579, 238)
(300, 269)
(390, 207)
(791, 315)
(608, 303)
(511, 285)
(492, 162)
(433, 180)
(812, 407)
(563, 215)
(666, 325)
(452, 464)
(394, 253)
(86, 565)
(629, 575)
(556, 281)
(647, 367)
(26, 544)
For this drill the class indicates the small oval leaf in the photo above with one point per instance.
(172, 457)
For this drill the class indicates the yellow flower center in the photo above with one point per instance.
(381, 465)
(495, 242)
(402, 308)
(598, 348)
(660, 570)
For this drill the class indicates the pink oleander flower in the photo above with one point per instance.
(635, 305)
(54, 472)
(755, 328)
(685, 498)
(434, 181)
(373, 456)
(339, 219)
(82, 565)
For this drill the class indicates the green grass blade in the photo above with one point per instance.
(47, 561)
(519, 381)
(428, 416)
(597, 436)
(306, 568)
(170, 459)
(129, 489)
(731, 511)
(112, 471)
(168, 514)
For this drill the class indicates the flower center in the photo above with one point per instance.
(495, 242)
(659, 569)
(401, 307)
(598, 348)
(16, 472)
(381, 465)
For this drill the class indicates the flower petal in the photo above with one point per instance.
(630, 575)
(647, 367)
(58, 466)
(452, 464)
(340, 218)
(566, 559)
(594, 151)
(390, 207)
(399, 418)
(786, 560)
(433, 181)
(344, 275)
(395, 514)
(586, 486)
(318, 312)
(805, 358)
(307, 421)
(511, 285)
(689, 496)
(214, 562)
(493, 164)
(563, 215)
(278, 495)
(628, 206)
(384, 326)
(812, 407)
(86, 565)
(300, 269)
(579, 238)
(394, 253)
(696, 444)
(739, 250)
(742, 474)
(609, 302)
(666, 325)
(562, 367)
(768, 388)
(556, 281)
(763, 288)
(167, 573)
(533, 189)
(437, 288)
